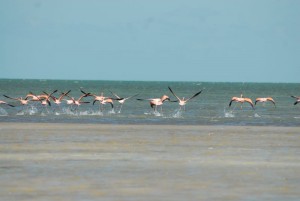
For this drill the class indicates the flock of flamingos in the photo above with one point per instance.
(45, 99)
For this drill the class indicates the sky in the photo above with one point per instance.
(157, 40)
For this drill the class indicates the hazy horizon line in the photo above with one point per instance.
(60, 79)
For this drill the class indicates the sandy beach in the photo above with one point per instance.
(40, 161)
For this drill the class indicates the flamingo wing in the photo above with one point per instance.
(143, 99)
(10, 97)
(95, 101)
(115, 95)
(196, 94)
(64, 94)
(231, 102)
(10, 105)
(174, 93)
(271, 100)
(131, 96)
(84, 95)
(248, 100)
(295, 97)
(3, 102)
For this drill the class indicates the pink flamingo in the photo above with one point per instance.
(183, 101)
(241, 100)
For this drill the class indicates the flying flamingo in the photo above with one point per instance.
(35, 97)
(96, 98)
(78, 101)
(46, 101)
(183, 101)
(102, 99)
(155, 102)
(21, 100)
(75, 102)
(122, 100)
(32, 96)
(263, 100)
(70, 101)
(241, 100)
(297, 99)
(58, 100)
(106, 100)
(3, 102)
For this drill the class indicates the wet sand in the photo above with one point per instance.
(148, 162)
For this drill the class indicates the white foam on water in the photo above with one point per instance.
(20, 113)
(229, 114)
(90, 113)
(32, 110)
(28, 111)
(256, 115)
(155, 113)
(112, 111)
(68, 111)
(96, 113)
(3, 112)
(177, 114)
(78, 112)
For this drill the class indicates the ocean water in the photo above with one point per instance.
(211, 107)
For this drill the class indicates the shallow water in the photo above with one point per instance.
(146, 162)
(209, 108)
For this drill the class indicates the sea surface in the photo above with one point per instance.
(211, 107)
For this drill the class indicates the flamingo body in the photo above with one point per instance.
(262, 100)
(241, 100)
(183, 101)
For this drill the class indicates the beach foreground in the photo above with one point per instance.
(148, 162)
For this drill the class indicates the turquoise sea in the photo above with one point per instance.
(211, 107)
